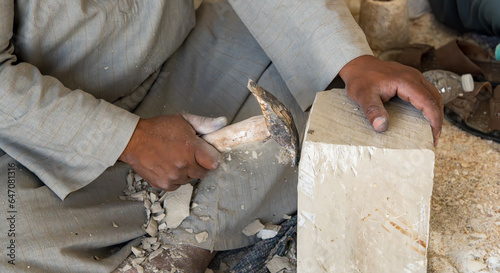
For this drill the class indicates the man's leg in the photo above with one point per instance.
(84, 233)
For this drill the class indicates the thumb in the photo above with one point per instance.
(376, 113)
(205, 125)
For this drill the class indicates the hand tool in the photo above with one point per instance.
(276, 121)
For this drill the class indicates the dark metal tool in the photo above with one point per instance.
(279, 121)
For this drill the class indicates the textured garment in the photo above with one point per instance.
(62, 64)
(63, 131)
(464, 15)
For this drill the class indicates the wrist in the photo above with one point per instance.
(126, 155)
(354, 66)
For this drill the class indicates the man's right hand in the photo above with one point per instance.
(167, 152)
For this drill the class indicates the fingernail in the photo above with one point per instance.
(380, 124)
(437, 139)
(220, 122)
(215, 165)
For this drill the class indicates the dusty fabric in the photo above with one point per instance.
(63, 132)
(463, 15)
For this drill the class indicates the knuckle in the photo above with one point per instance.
(434, 102)
(173, 176)
(372, 110)
(181, 164)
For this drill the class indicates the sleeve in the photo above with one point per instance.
(65, 137)
(309, 41)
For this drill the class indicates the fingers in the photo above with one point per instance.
(430, 102)
(206, 155)
(167, 153)
(205, 125)
(423, 95)
(370, 81)
(437, 123)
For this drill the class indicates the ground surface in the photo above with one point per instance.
(465, 211)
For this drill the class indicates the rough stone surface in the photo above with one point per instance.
(364, 197)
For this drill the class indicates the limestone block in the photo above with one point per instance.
(364, 197)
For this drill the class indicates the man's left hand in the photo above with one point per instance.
(370, 82)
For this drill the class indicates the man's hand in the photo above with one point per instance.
(370, 82)
(167, 153)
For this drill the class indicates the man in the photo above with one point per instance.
(71, 71)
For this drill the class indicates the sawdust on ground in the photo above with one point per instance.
(465, 209)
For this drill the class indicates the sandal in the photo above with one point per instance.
(458, 56)
(477, 112)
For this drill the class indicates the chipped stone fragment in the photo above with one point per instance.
(115, 225)
(137, 178)
(201, 237)
(162, 226)
(155, 246)
(151, 240)
(147, 204)
(253, 228)
(157, 211)
(139, 268)
(138, 252)
(268, 232)
(153, 197)
(189, 230)
(138, 260)
(146, 246)
(278, 263)
(155, 253)
(152, 227)
(125, 268)
(147, 242)
(162, 196)
(176, 205)
(156, 208)
(139, 196)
